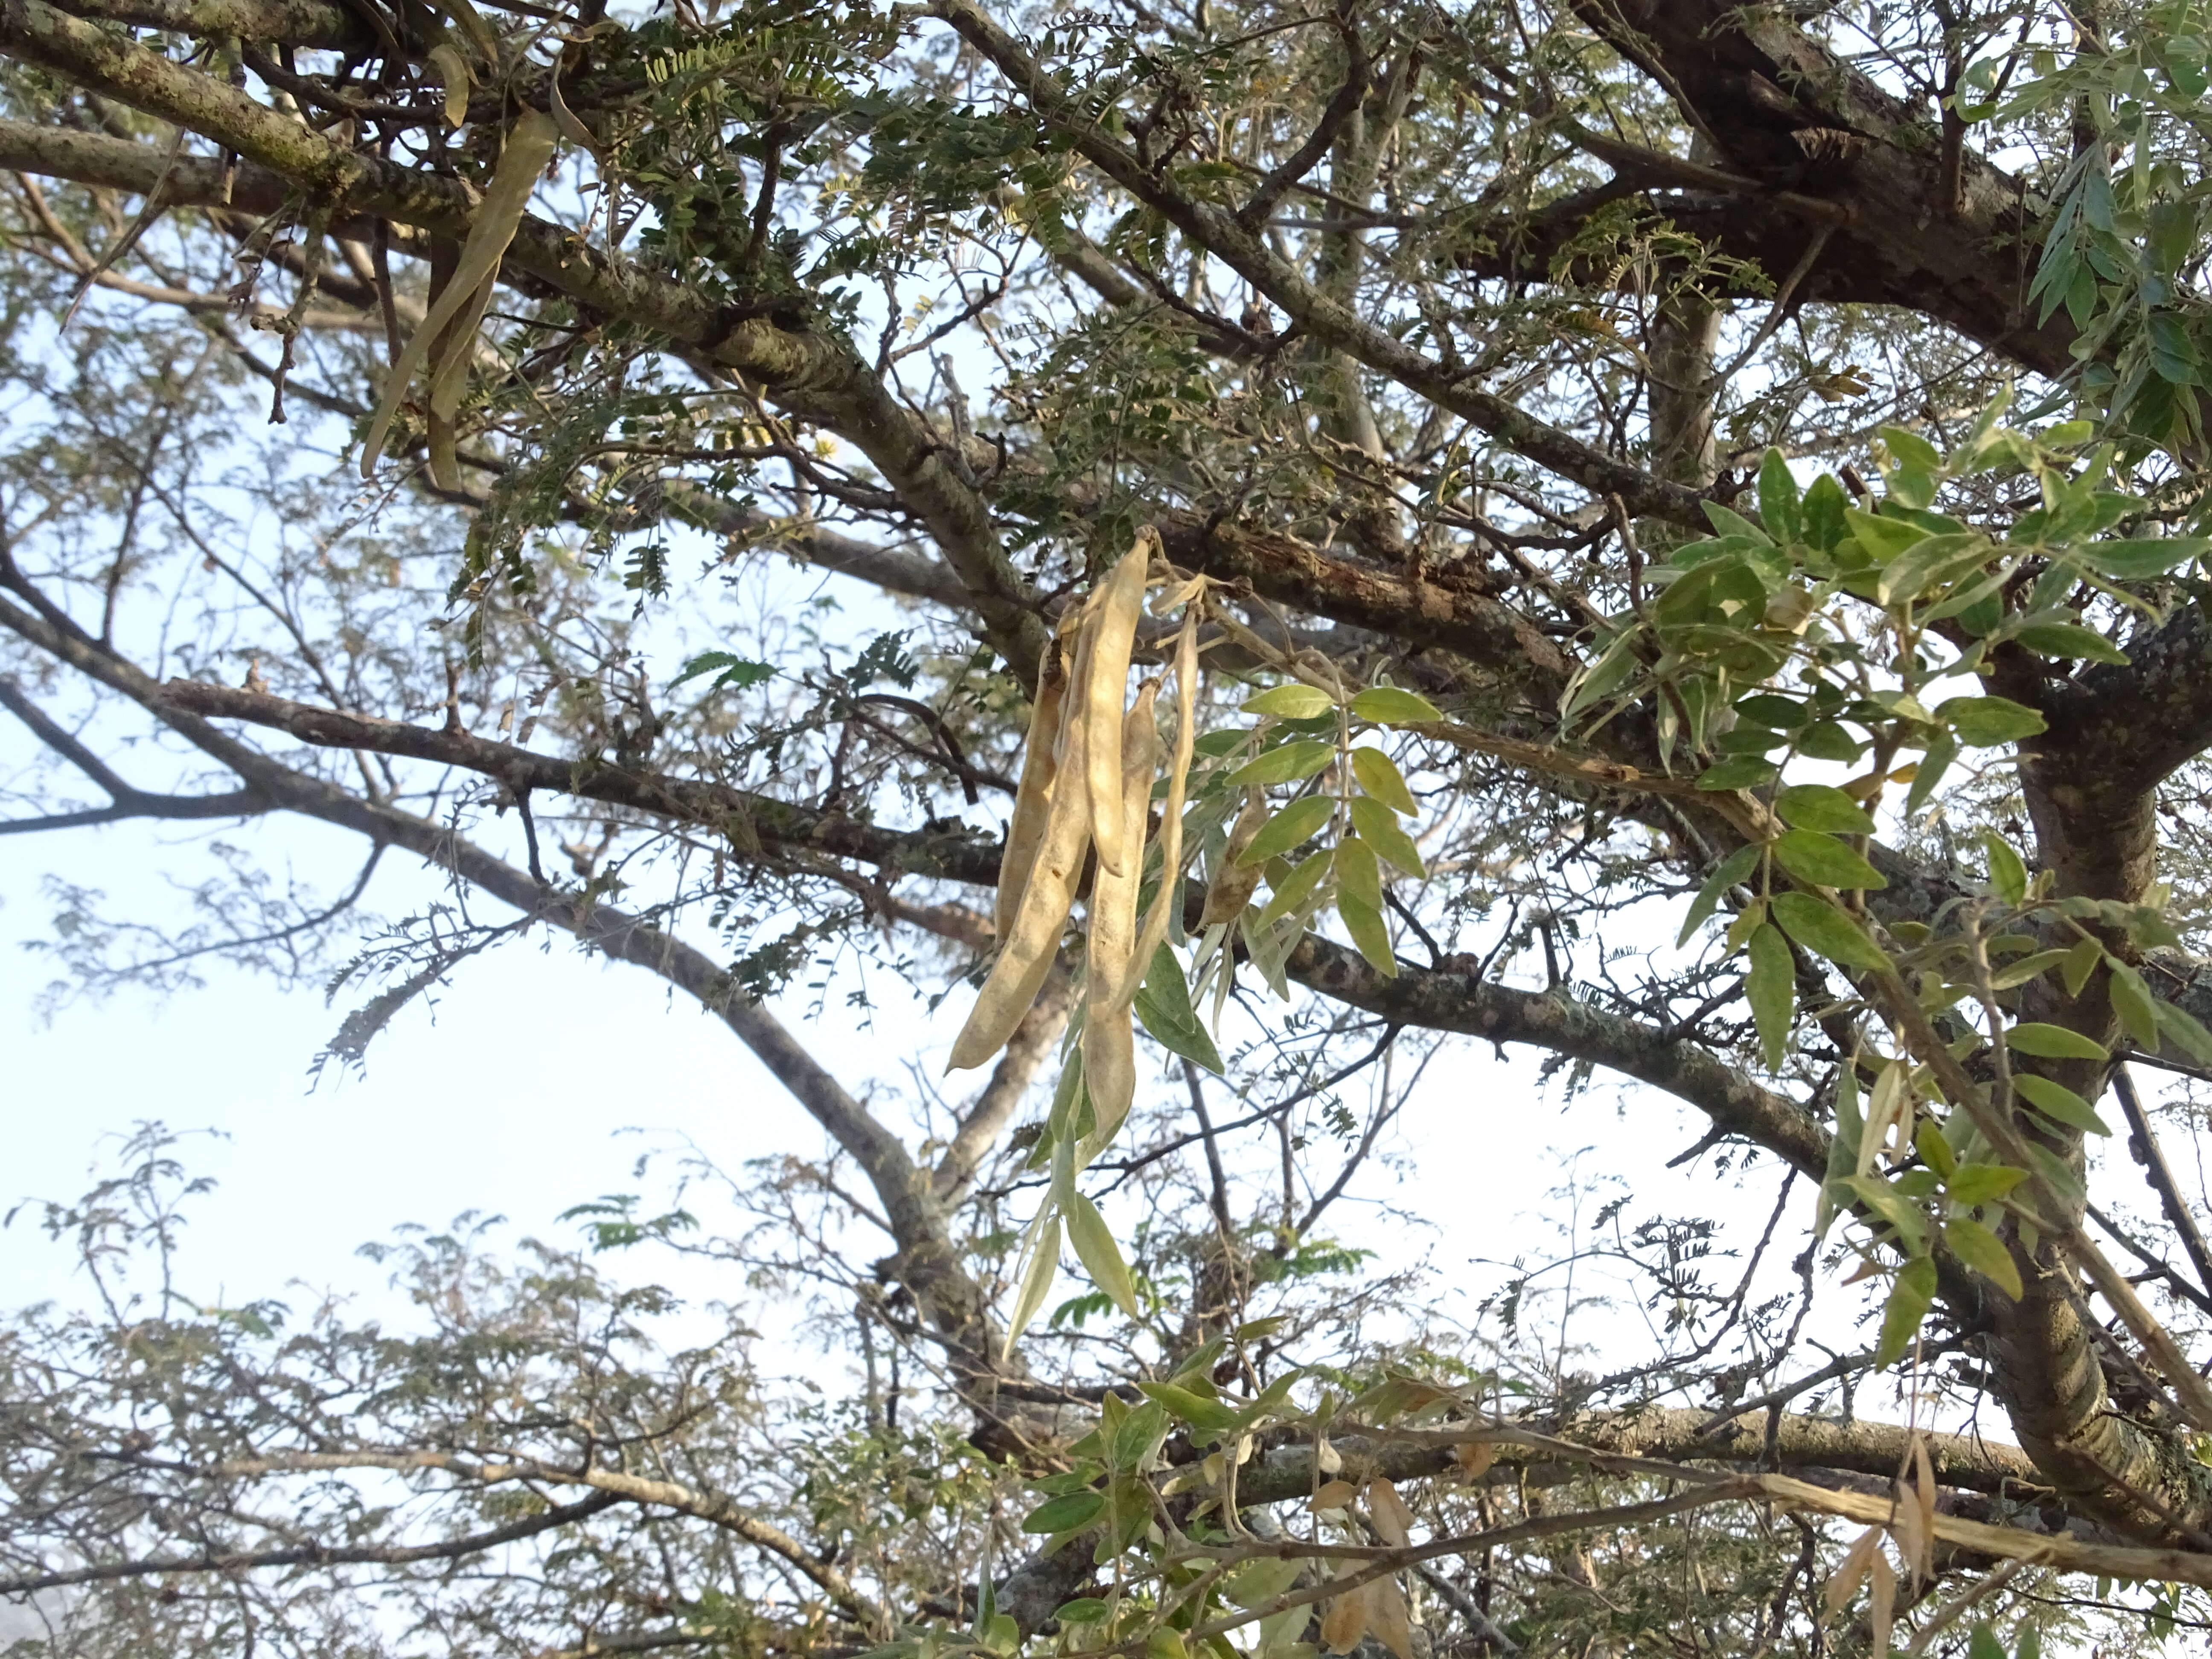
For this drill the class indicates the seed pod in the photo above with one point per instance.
(1155, 929)
(1026, 950)
(1234, 881)
(1113, 635)
(1033, 800)
(1109, 1048)
(529, 147)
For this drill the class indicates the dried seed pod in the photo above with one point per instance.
(1033, 798)
(530, 145)
(1026, 950)
(1155, 929)
(1109, 1047)
(1234, 881)
(1112, 630)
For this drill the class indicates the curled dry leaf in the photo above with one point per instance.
(1345, 1622)
(1392, 1518)
(1914, 1546)
(1327, 1458)
(1388, 1618)
(1332, 1496)
(1881, 1592)
(1234, 881)
(1923, 1480)
(1846, 1581)
(1474, 1458)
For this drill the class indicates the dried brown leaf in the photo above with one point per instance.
(1844, 1581)
(1346, 1621)
(1392, 1518)
(1388, 1618)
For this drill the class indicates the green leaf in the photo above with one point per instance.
(1364, 923)
(1984, 1252)
(2069, 640)
(736, 672)
(1882, 538)
(1811, 856)
(2027, 967)
(1823, 806)
(1739, 772)
(2190, 1037)
(1910, 449)
(1252, 1583)
(2140, 559)
(1890, 1206)
(1295, 888)
(1932, 563)
(1163, 1005)
(1215, 745)
(1141, 1430)
(1101, 1257)
(1776, 713)
(1985, 722)
(1769, 986)
(1842, 1147)
(1390, 705)
(1206, 1416)
(2057, 1101)
(1909, 1298)
(2052, 1042)
(1378, 827)
(1084, 1610)
(1822, 517)
(1935, 1151)
(2008, 874)
(1733, 869)
(1973, 1185)
(1076, 1509)
(1286, 764)
(2136, 1007)
(2055, 1173)
(1357, 872)
(1294, 701)
(1933, 765)
(1827, 740)
(1834, 933)
(1983, 1644)
(1379, 776)
(1777, 498)
(1294, 826)
(2082, 962)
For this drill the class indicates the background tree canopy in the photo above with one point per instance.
(1670, 535)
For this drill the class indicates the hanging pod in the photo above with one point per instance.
(530, 145)
(1110, 1045)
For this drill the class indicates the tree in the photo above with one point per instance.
(1600, 472)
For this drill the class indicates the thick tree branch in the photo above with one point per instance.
(317, 1555)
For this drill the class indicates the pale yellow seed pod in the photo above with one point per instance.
(1027, 948)
(1110, 1049)
(1155, 930)
(1033, 798)
(1113, 635)
(530, 145)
